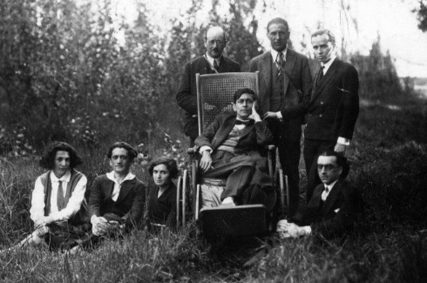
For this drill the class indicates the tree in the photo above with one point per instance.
(422, 15)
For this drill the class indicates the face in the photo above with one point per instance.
(278, 35)
(215, 42)
(328, 169)
(62, 163)
(161, 175)
(120, 161)
(322, 47)
(243, 106)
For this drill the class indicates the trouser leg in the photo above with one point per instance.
(289, 159)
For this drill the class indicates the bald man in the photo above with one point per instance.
(211, 62)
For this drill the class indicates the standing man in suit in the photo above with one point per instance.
(210, 63)
(334, 206)
(333, 108)
(230, 149)
(285, 82)
(117, 198)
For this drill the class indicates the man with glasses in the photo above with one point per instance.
(334, 207)
(230, 149)
(211, 62)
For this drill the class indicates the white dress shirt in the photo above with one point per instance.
(73, 205)
(327, 190)
(211, 61)
(117, 184)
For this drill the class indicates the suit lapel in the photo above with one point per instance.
(332, 198)
(246, 130)
(223, 131)
(289, 65)
(265, 84)
(326, 79)
(124, 190)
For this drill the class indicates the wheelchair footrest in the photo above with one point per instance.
(241, 220)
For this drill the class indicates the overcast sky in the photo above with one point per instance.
(392, 20)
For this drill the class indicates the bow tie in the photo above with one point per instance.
(240, 122)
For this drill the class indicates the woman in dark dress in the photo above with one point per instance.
(162, 199)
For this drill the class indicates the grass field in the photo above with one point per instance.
(389, 165)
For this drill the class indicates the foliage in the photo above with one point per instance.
(422, 15)
(377, 74)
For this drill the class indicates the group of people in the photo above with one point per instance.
(69, 216)
(289, 103)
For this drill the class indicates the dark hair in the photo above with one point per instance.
(242, 91)
(341, 162)
(278, 21)
(170, 163)
(327, 32)
(48, 159)
(132, 153)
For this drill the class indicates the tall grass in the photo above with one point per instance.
(389, 245)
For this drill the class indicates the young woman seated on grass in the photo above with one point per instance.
(162, 199)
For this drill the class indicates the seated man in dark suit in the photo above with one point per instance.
(334, 206)
(230, 149)
(116, 199)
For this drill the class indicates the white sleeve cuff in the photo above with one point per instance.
(279, 115)
(306, 229)
(205, 148)
(343, 141)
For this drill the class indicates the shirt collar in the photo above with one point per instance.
(65, 178)
(331, 186)
(129, 176)
(211, 60)
(274, 54)
(328, 64)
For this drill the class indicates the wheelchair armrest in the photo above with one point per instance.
(193, 151)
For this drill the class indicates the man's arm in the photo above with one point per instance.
(302, 86)
(263, 134)
(349, 91)
(187, 100)
(137, 208)
(95, 198)
(37, 204)
(204, 143)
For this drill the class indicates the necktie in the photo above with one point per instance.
(240, 122)
(61, 202)
(325, 193)
(320, 75)
(279, 63)
(216, 66)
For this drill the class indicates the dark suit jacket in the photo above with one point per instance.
(187, 92)
(163, 210)
(334, 216)
(334, 104)
(253, 138)
(129, 204)
(297, 85)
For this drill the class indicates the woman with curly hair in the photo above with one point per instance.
(162, 201)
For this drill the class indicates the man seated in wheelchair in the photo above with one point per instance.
(232, 150)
